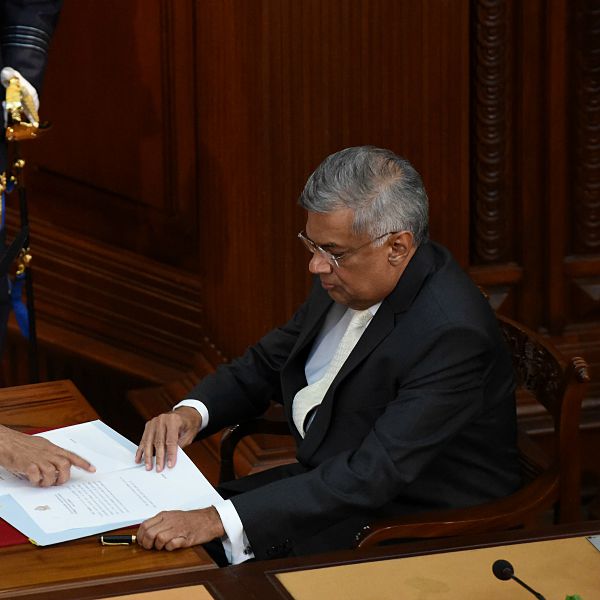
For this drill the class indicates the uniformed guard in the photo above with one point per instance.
(26, 27)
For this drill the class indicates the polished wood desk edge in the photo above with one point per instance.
(221, 585)
(260, 580)
(27, 406)
(59, 384)
(78, 586)
(60, 590)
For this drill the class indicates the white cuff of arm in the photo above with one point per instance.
(199, 406)
(235, 543)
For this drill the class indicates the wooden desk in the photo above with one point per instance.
(84, 570)
(555, 562)
(378, 572)
(66, 570)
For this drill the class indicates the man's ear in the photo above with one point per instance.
(401, 247)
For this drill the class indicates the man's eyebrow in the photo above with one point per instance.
(329, 245)
(326, 245)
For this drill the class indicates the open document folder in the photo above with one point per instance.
(118, 494)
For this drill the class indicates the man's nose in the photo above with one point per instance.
(318, 264)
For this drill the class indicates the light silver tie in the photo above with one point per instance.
(312, 395)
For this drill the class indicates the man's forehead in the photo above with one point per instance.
(331, 227)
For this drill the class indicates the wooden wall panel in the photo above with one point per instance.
(283, 84)
(119, 163)
(185, 142)
(112, 187)
(583, 238)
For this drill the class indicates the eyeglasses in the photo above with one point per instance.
(335, 259)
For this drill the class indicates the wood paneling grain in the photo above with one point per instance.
(119, 162)
(283, 85)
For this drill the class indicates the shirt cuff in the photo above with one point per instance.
(235, 542)
(199, 406)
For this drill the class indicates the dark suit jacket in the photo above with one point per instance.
(420, 417)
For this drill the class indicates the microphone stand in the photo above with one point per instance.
(529, 589)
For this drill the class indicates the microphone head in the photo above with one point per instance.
(503, 570)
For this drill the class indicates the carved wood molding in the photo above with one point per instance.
(499, 282)
(586, 105)
(490, 150)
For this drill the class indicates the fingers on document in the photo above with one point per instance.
(146, 447)
(78, 461)
(46, 473)
(159, 449)
(172, 447)
(159, 441)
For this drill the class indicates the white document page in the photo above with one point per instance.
(130, 495)
(120, 491)
(94, 444)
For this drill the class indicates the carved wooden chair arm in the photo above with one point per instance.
(519, 509)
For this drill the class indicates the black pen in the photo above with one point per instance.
(117, 540)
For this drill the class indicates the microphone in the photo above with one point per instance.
(504, 571)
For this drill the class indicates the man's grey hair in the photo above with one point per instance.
(384, 190)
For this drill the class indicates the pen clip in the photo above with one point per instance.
(112, 540)
(114, 543)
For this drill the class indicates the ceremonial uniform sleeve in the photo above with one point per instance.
(26, 29)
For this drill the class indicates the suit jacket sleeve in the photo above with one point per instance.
(244, 388)
(441, 392)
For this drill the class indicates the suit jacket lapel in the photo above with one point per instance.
(293, 377)
(418, 270)
(378, 329)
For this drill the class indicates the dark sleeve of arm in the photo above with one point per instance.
(440, 396)
(27, 28)
(244, 388)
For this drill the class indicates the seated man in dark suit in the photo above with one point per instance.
(393, 375)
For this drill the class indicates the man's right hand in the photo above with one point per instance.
(163, 434)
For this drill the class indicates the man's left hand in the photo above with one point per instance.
(173, 529)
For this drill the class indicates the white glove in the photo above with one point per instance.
(6, 75)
